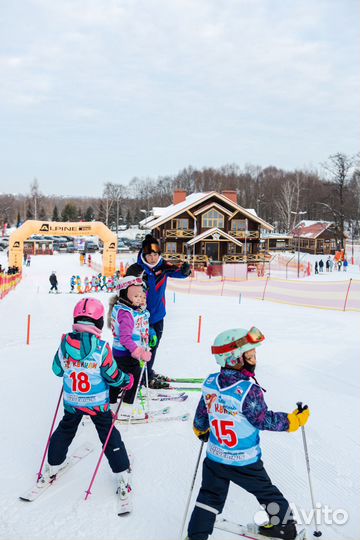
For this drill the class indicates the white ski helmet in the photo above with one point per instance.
(231, 344)
(128, 281)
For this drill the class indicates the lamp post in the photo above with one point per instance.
(299, 213)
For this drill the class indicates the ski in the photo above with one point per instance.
(185, 388)
(247, 531)
(186, 380)
(153, 419)
(41, 486)
(181, 397)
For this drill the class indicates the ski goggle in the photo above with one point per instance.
(152, 248)
(254, 335)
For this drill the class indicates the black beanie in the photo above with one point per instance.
(150, 244)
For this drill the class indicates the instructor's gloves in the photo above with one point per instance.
(298, 418)
(141, 354)
(130, 384)
(185, 269)
(202, 435)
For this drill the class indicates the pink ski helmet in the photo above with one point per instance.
(89, 310)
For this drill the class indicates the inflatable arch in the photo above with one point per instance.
(55, 228)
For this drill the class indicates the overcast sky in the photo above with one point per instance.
(105, 90)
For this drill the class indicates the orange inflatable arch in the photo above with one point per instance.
(58, 228)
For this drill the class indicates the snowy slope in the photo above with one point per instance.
(310, 355)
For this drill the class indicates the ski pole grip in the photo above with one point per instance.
(301, 407)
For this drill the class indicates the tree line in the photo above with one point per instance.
(279, 196)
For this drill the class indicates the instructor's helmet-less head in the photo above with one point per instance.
(230, 345)
(89, 311)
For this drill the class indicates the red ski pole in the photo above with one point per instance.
(88, 491)
(51, 430)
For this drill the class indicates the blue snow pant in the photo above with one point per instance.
(158, 327)
(66, 431)
(214, 489)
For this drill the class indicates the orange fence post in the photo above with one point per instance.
(199, 329)
(28, 330)
(347, 294)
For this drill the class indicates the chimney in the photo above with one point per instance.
(232, 195)
(179, 196)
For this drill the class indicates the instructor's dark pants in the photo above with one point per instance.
(127, 364)
(158, 327)
(214, 489)
(66, 430)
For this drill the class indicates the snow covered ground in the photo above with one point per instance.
(309, 355)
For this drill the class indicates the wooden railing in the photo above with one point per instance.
(244, 234)
(181, 257)
(179, 233)
(203, 259)
(250, 258)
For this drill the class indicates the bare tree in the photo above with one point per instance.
(339, 167)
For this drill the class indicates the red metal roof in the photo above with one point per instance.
(306, 229)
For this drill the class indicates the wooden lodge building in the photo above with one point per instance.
(209, 227)
(316, 237)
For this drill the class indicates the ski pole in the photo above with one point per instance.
(143, 366)
(115, 417)
(50, 433)
(147, 391)
(301, 408)
(191, 490)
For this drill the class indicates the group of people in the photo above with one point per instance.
(10, 271)
(331, 264)
(230, 414)
(97, 283)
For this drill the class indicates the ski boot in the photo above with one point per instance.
(124, 491)
(162, 378)
(287, 531)
(133, 410)
(157, 384)
(50, 472)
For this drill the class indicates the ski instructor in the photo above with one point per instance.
(155, 271)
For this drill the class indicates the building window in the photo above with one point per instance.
(182, 223)
(170, 247)
(211, 219)
(238, 225)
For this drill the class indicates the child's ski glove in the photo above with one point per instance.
(202, 435)
(153, 341)
(298, 418)
(141, 354)
(130, 384)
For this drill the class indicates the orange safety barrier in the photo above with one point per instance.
(8, 282)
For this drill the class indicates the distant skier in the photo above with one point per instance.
(321, 265)
(128, 319)
(72, 284)
(53, 282)
(229, 415)
(86, 364)
(316, 267)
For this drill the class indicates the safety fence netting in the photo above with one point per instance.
(8, 282)
(339, 295)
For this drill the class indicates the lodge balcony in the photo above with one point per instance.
(245, 234)
(252, 258)
(179, 233)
